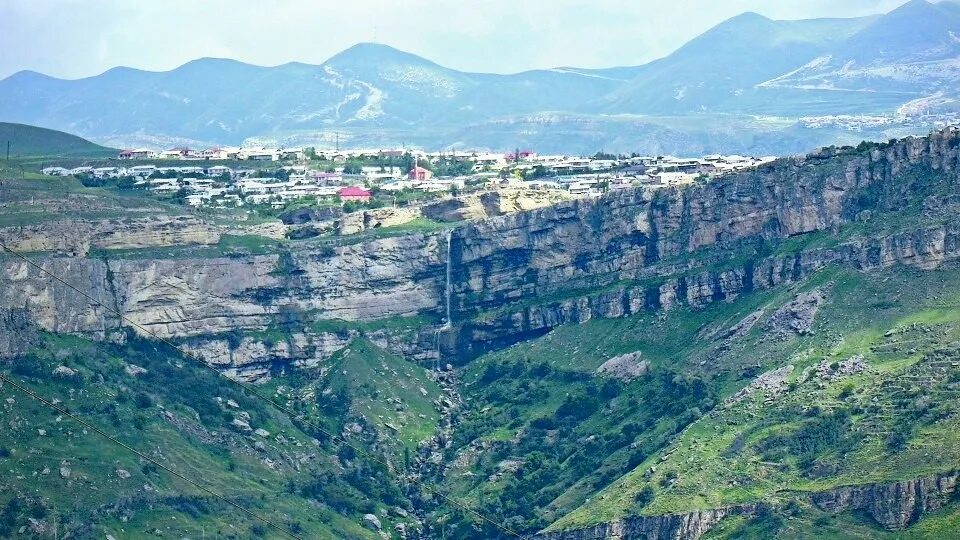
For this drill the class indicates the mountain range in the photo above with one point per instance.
(739, 86)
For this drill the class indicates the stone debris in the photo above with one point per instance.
(260, 432)
(241, 425)
(123, 474)
(772, 384)
(832, 371)
(373, 522)
(796, 316)
(743, 327)
(134, 370)
(64, 372)
(625, 367)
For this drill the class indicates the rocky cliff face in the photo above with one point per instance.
(894, 506)
(689, 526)
(77, 237)
(923, 248)
(511, 277)
(199, 300)
(586, 243)
(649, 249)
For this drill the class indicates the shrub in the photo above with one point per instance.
(897, 441)
(543, 422)
(142, 400)
(578, 407)
(643, 497)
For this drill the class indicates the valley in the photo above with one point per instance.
(771, 353)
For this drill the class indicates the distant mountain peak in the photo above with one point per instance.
(367, 52)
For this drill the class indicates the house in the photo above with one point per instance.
(219, 170)
(419, 173)
(291, 153)
(175, 153)
(198, 184)
(325, 178)
(107, 172)
(541, 184)
(522, 155)
(164, 185)
(354, 193)
(399, 185)
(139, 153)
(634, 170)
(675, 178)
(326, 191)
(191, 171)
(141, 170)
(260, 154)
(216, 153)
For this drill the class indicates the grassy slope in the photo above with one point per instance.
(27, 141)
(612, 426)
(704, 468)
(286, 478)
(381, 392)
(630, 427)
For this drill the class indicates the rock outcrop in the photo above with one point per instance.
(688, 526)
(76, 237)
(625, 367)
(894, 506)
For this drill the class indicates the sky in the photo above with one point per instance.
(80, 38)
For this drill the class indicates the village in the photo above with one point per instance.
(279, 177)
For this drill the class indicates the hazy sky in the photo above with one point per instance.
(78, 38)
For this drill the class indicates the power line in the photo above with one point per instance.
(66, 412)
(254, 392)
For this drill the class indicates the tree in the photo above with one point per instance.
(538, 171)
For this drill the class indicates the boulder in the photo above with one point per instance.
(372, 522)
(625, 367)
(64, 372)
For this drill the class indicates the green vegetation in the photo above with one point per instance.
(31, 141)
(186, 417)
(383, 393)
(827, 428)
(547, 440)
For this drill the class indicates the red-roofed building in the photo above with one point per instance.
(419, 173)
(354, 193)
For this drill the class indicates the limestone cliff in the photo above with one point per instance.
(511, 276)
(894, 506)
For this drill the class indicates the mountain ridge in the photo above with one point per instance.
(748, 68)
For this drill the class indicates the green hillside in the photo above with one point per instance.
(867, 395)
(190, 420)
(32, 141)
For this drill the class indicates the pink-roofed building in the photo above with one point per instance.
(419, 173)
(354, 193)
